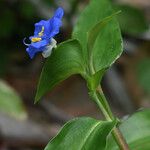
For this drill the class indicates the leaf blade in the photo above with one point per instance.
(108, 46)
(65, 61)
(93, 33)
(85, 131)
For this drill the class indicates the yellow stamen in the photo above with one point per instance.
(36, 39)
(42, 31)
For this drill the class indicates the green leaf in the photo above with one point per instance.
(132, 20)
(82, 134)
(136, 130)
(108, 45)
(143, 74)
(94, 32)
(10, 102)
(65, 61)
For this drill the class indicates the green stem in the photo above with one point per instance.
(105, 108)
(120, 139)
(102, 108)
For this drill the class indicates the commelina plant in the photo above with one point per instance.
(95, 45)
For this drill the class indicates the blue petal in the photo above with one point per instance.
(41, 44)
(36, 47)
(39, 25)
(31, 52)
(59, 13)
(55, 24)
(51, 26)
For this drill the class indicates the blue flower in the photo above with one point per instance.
(45, 30)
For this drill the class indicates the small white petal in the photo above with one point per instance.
(53, 42)
(47, 52)
(49, 48)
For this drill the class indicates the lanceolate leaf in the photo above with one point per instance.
(92, 36)
(108, 45)
(82, 134)
(65, 60)
(94, 32)
(136, 130)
